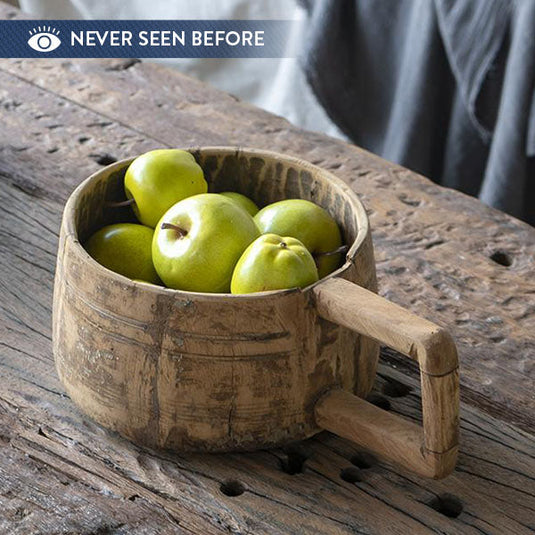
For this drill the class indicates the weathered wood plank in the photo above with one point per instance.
(495, 480)
(36, 498)
(427, 260)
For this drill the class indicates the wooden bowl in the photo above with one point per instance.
(220, 372)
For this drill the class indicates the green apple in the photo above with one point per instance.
(126, 249)
(198, 242)
(273, 263)
(307, 222)
(242, 200)
(160, 178)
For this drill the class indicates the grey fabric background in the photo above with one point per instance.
(444, 87)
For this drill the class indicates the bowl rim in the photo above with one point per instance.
(363, 226)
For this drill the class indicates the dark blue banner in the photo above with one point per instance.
(144, 38)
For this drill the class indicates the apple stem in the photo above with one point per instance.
(342, 249)
(283, 244)
(120, 204)
(170, 226)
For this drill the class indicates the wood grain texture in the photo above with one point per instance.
(61, 473)
(426, 260)
(494, 480)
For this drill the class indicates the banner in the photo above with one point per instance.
(144, 38)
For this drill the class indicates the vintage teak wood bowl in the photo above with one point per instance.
(218, 372)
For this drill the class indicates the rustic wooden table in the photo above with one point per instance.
(440, 253)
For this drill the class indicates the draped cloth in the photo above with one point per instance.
(444, 87)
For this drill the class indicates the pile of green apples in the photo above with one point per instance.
(188, 239)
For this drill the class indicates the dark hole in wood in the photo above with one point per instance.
(103, 159)
(435, 243)
(447, 504)
(52, 150)
(294, 461)
(351, 474)
(83, 139)
(409, 202)
(395, 389)
(363, 460)
(20, 513)
(106, 529)
(123, 65)
(232, 488)
(133, 498)
(502, 258)
(379, 401)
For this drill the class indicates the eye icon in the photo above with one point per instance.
(44, 39)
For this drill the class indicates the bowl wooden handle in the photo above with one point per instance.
(431, 451)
